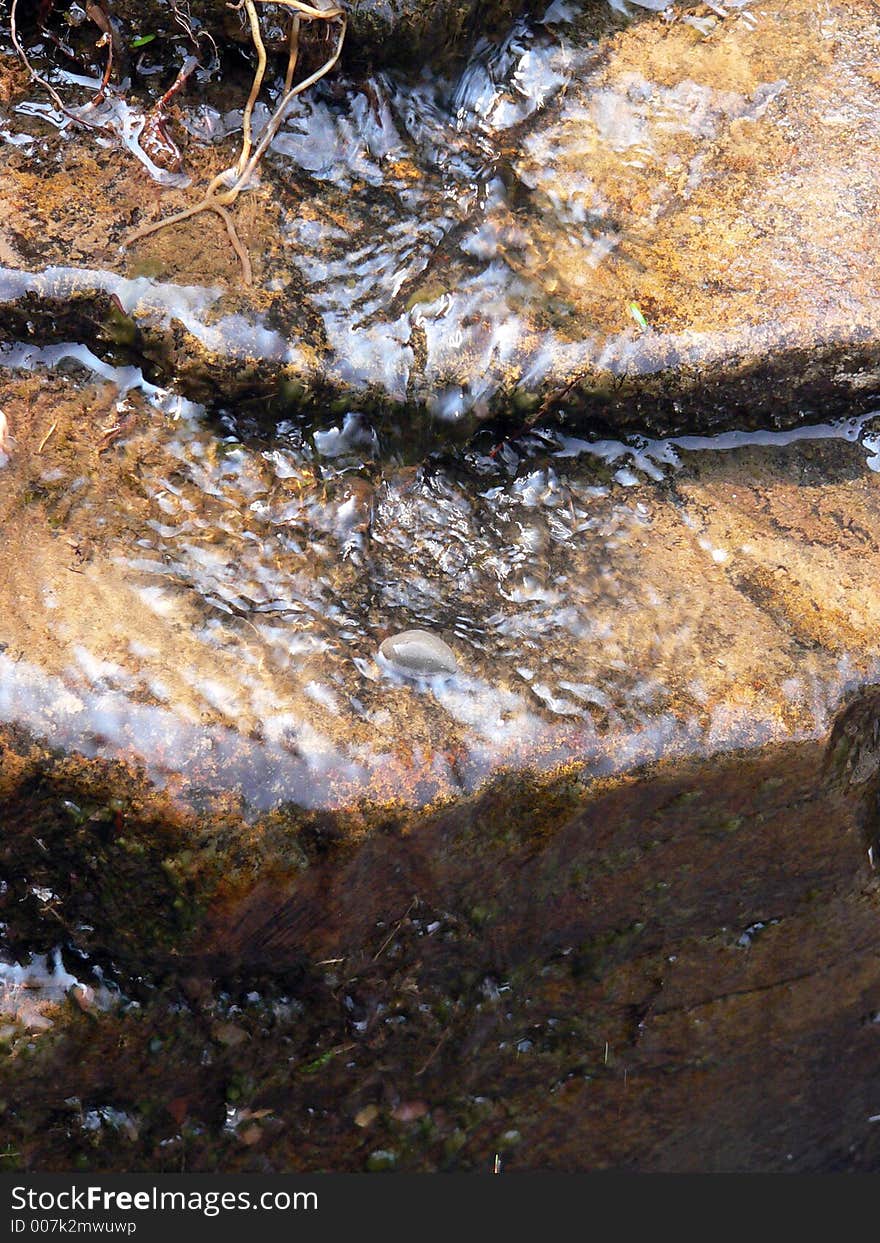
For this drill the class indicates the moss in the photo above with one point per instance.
(597, 954)
(117, 883)
(119, 328)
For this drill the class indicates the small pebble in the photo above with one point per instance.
(229, 1034)
(409, 1111)
(381, 1160)
(419, 653)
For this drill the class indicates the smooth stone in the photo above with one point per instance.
(419, 652)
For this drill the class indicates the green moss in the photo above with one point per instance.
(120, 328)
(425, 294)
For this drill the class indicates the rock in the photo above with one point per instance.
(644, 235)
(416, 33)
(178, 1108)
(380, 31)
(230, 1034)
(381, 1161)
(643, 904)
(83, 997)
(419, 654)
(634, 915)
(642, 821)
(611, 603)
(409, 1111)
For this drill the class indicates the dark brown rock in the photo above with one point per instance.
(380, 31)
(580, 979)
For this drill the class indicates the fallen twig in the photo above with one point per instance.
(16, 43)
(218, 200)
(429, 1059)
(47, 437)
(49, 88)
(96, 14)
(394, 931)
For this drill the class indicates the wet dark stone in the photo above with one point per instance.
(650, 939)
(380, 31)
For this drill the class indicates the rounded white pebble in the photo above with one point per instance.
(419, 653)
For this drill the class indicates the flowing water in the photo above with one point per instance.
(241, 873)
(209, 599)
(199, 591)
(441, 239)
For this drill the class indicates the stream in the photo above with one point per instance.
(207, 582)
(564, 352)
(208, 599)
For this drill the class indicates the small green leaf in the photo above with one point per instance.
(311, 1067)
(141, 40)
(635, 312)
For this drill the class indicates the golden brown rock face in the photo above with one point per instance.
(213, 606)
(669, 227)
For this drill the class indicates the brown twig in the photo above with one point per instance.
(47, 86)
(16, 43)
(155, 140)
(47, 437)
(429, 1059)
(394, 931)
(96, 14)
(218, 200)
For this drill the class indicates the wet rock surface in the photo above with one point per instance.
(383, 31)
(577, 979)
(211, 599)
(642, 230)
(555, 896)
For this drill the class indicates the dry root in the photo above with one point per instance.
(223, 191)
(220, 194)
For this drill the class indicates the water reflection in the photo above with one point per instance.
(459, 225)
